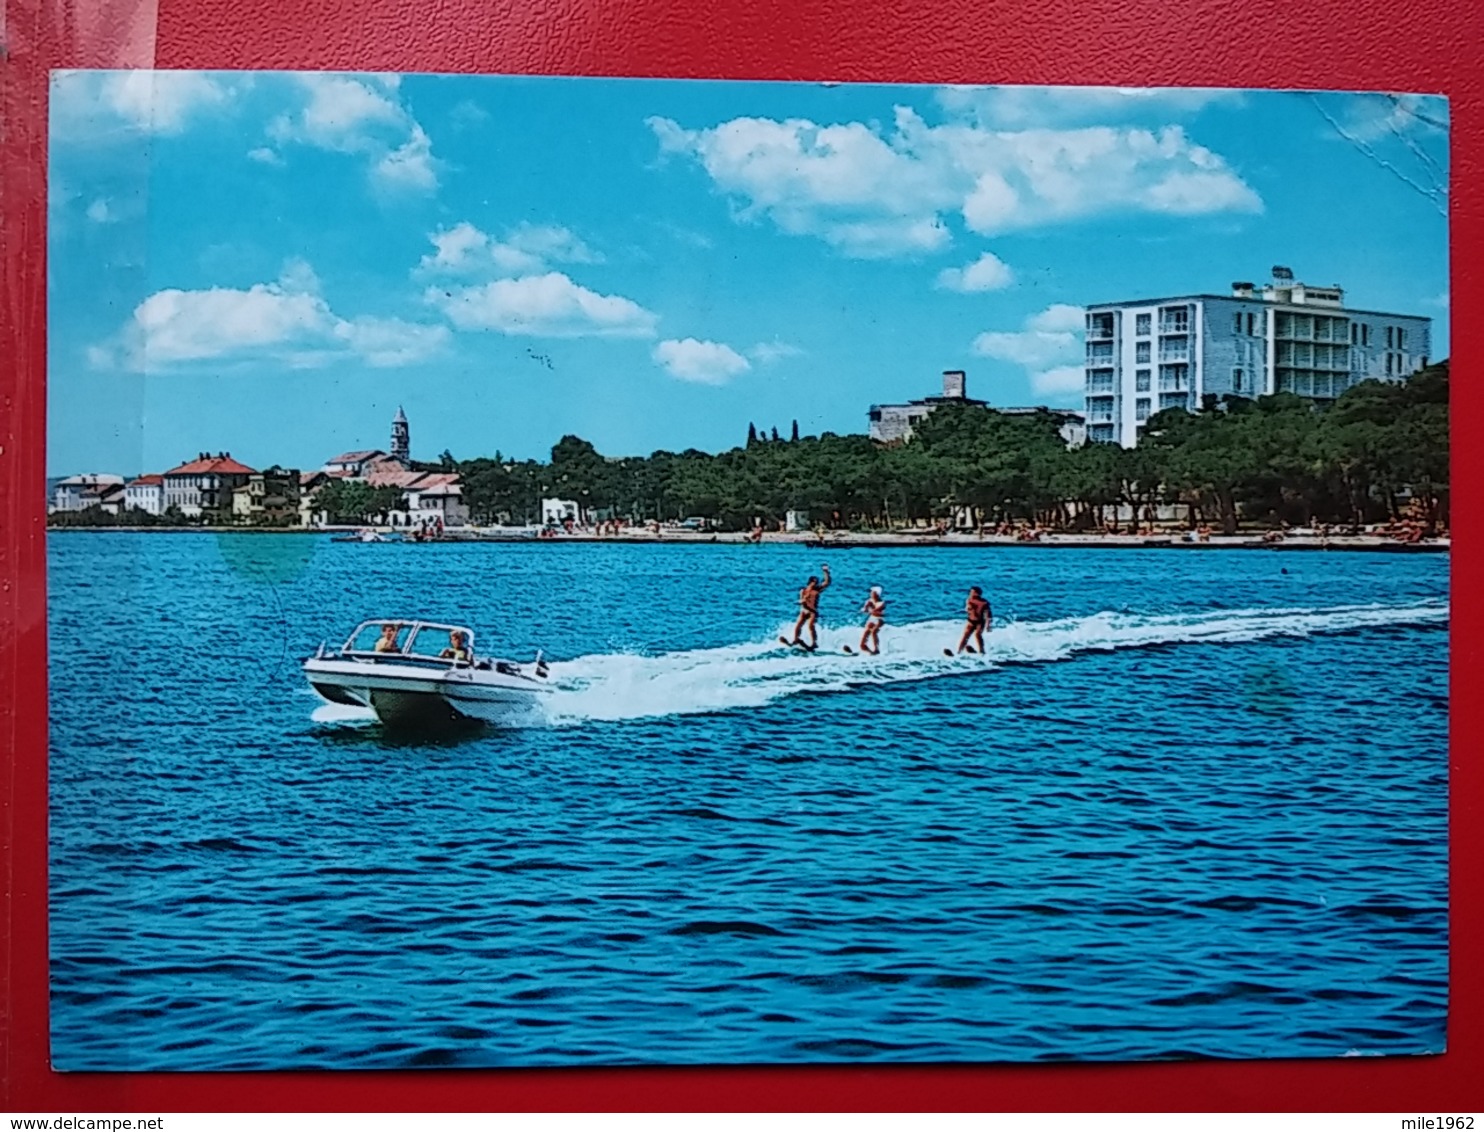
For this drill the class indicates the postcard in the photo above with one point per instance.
(570, 572)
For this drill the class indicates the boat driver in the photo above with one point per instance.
(457, 650)
(387, 642)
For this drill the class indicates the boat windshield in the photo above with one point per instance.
(421, 640)
(442, 642)
(380, 637)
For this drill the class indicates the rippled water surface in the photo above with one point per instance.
(1192, 803)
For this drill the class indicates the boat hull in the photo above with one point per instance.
(407, 696)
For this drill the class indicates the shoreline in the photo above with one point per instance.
(849, 541)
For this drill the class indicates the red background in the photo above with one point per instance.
(1355, 44)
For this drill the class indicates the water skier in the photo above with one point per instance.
(809, 611)
(977, 613)
(875, 611)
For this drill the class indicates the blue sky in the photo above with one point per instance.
(269, 264)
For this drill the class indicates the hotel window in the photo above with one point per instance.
(1251, 322)
(1141, 352)
(1141, 381)
(1237, 319)
(1354, 334)
(1401, 338)
(1141, 409)
(1141, 324)
(1388, 337)
(1365, 334)
(1174, 320)
(1237, 380)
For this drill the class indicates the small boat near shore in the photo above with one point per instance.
(365, 534)
(425, 672)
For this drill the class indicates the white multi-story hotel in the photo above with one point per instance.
(1145, 355)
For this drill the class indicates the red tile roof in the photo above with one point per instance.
(381, 477)
(410, 481)
(219, 465)
(147, 481)
(356, 457)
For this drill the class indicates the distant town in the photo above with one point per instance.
(215, 489)
(1149, 364)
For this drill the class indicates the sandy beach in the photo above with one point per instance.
(846, 540)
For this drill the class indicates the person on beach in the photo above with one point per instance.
(875, 611)
(978, 614)
(809, 609)
(387, 642)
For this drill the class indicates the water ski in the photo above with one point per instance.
(795, 644)
(848, 650)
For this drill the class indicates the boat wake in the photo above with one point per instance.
(621, 686)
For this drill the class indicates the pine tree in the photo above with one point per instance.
(775, 434)
(795, 435)
(751, 434)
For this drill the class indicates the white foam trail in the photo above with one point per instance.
(630, 686)
(342, 714)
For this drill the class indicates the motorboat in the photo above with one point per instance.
(365, 534)
(411, 672)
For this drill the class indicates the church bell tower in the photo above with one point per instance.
(401, 438)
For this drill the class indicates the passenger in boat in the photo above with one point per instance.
(875, 611)
(457, 650)
(387, 642)
(978, 614)
(809, 608)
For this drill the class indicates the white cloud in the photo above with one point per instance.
(341, 113)
(869, 191)
(265, 155)
(1058, 317)
(987, 273)
(843, 183)
(286, 320)
(387, 342)
(526, 249)
(548, 305)
(1048, 345)
(1018, 107)
(412, 166)
(1059, 381)
(769, 352)
(1026, 347)
(360, 115)
(707, 363)
(90, 104)
(1047, 337)
(468, 114)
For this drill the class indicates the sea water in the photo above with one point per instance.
(1189, 804)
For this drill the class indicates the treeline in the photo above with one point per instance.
(1272, 459)
(95, 516)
